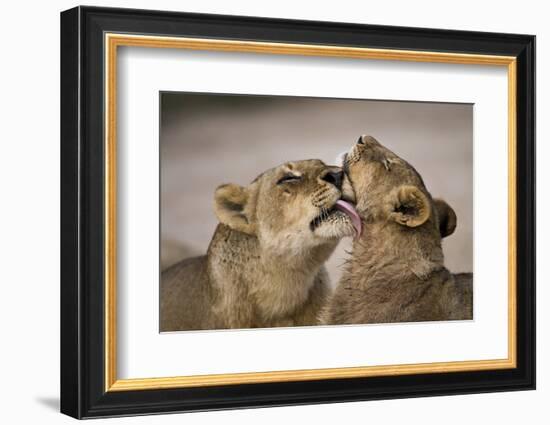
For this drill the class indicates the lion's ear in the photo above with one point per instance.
(410, 206)
(230, 205)
(446, 217)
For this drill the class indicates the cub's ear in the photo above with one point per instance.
(411, 206)
(230, 205)
(446, 217)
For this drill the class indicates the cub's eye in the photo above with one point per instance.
(289, 178)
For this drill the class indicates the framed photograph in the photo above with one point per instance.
(261, 212)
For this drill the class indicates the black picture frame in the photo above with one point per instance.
(83, 392)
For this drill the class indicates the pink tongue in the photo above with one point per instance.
(351, 212)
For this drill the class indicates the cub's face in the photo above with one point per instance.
(294, 206)
(389, 189)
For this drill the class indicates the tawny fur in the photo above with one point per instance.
(264, 265)
(396, 272)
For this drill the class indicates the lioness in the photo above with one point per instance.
(396, 272)
(264, 265)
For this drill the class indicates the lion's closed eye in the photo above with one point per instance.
(289, 178)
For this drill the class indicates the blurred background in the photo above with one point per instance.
(210, 139)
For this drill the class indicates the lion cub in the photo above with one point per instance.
(264, 265)
(396, 272)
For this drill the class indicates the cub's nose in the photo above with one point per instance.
(335, 178)
(365, 139)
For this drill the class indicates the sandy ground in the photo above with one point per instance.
(207, 140)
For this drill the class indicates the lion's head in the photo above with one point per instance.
(389, 189)
(294, 207)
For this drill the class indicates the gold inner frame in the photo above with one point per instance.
(113, 41)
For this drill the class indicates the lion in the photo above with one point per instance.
(396, 272)
(264, 266)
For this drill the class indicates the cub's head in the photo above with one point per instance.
(295, 206)
(389, 189)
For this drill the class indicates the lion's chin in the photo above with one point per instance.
(335, 225)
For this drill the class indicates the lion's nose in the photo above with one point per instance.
(365, 139)
(335, 178)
